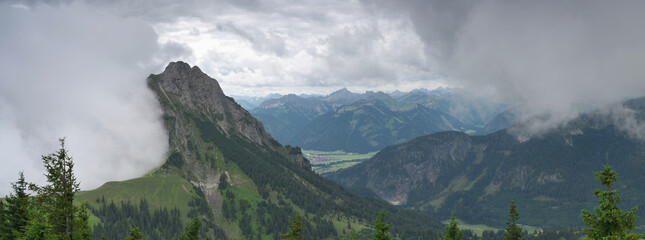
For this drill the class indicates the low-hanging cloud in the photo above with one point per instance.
(555, 58)
(69, 70)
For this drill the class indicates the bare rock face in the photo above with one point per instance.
(202, 93)
(186, 94)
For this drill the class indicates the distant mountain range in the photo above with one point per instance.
(370, 121)
(550, 176)
(252, 102)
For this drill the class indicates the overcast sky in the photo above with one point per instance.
(78, 68)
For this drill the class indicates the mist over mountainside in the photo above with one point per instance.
(501, 121)
(548, 176)
(370, 121)
(242, 182)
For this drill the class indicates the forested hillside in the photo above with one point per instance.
(476, 176)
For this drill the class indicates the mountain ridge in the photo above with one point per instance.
(476, 176)
(377, 119)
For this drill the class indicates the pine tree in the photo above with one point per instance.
(82, 225)
(223, 182)
(38, 228)
(452, 231)
(609, 221)
(4, 224)
(134, 234)
(295, 230)
(56, 200)
(513, 231)
(352, 235)
(17, 208)
(192, 231)
(382, 229)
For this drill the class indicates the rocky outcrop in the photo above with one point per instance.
(203, 94)
(187, 96)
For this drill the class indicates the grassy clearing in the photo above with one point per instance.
(478, 229)
(159, 190)
(326, 162)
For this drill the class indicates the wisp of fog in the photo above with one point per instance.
(68, 71)
(554, 59)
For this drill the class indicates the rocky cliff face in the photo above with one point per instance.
(189, 97)
(201, 93)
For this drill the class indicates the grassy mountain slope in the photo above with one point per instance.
(243, 184)
(549, 176)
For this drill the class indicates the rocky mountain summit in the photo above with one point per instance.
(189, 98)
(197, 91)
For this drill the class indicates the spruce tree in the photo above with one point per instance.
(352, 235)
(4, 224)
(192, 230)
(452, 231)
(382, 229)
(17, 208)
(295, 230)
(38, 228)
(223, 182)
(55, 201)
(609, 221)
(513, 231)
(134, 234)
(82, 224)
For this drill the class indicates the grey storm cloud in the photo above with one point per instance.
(555, 59)
(71, 71)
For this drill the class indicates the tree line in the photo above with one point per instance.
(607, 222)
(51, 214)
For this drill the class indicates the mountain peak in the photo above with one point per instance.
(182, 85)
(180, 67)
(341, 96)
(342, 90)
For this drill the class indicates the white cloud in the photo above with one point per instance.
(311, 47)
(72, 71)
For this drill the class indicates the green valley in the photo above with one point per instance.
(327, 162)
